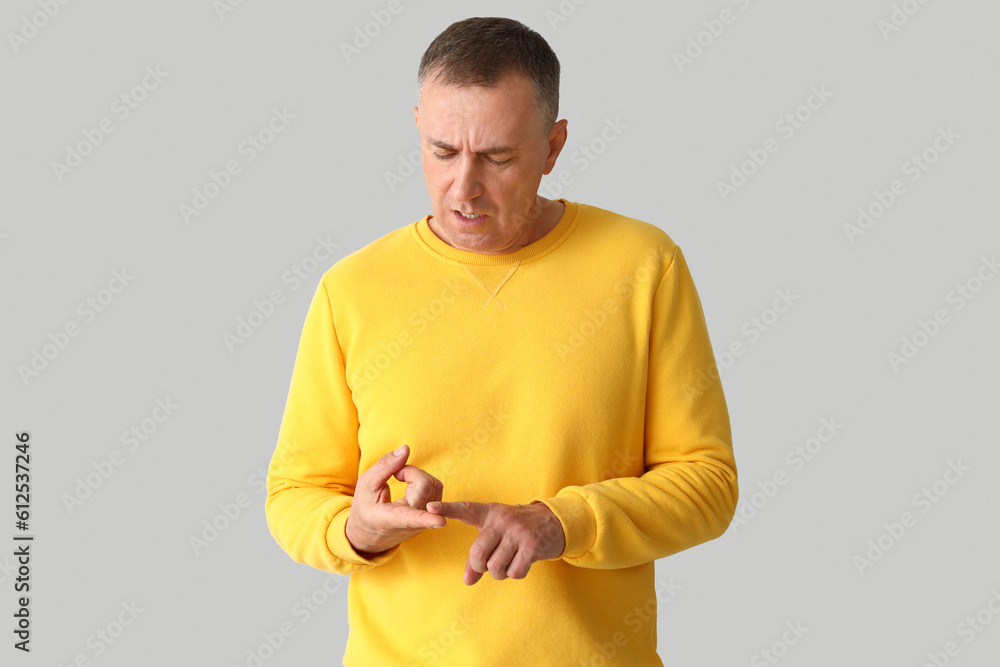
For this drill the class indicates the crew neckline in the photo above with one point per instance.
(426, 237)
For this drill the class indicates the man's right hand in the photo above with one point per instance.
(375, 524)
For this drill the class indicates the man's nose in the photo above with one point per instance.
(467, 184)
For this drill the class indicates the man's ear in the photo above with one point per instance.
(557, 139)
(416, 117)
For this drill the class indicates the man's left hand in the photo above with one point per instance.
(511, 537)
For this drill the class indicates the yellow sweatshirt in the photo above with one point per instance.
(576, 371)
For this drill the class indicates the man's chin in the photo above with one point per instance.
(473, 240)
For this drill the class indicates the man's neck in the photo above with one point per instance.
(552, 213)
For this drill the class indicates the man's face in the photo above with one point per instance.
(484, 151)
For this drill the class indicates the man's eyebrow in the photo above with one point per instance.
(492, 150)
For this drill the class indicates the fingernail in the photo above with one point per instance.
(434, 506)
(399, 452)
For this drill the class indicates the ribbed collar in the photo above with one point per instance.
(426, 237)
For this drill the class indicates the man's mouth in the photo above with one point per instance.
(470, 217)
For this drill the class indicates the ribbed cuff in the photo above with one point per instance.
(578, 521)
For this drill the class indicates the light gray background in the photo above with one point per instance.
(324, 176)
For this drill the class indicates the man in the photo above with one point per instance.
(509, 385)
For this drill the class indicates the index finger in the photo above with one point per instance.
(411, 473)
(373, 479)
(465, 511)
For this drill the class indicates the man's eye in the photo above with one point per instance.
(445, 156)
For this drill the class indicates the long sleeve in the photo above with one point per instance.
(573, 371)
(688, 492)
(314, 469)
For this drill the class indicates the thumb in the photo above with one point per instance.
(470, 576)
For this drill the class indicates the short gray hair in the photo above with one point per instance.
(480, 51)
